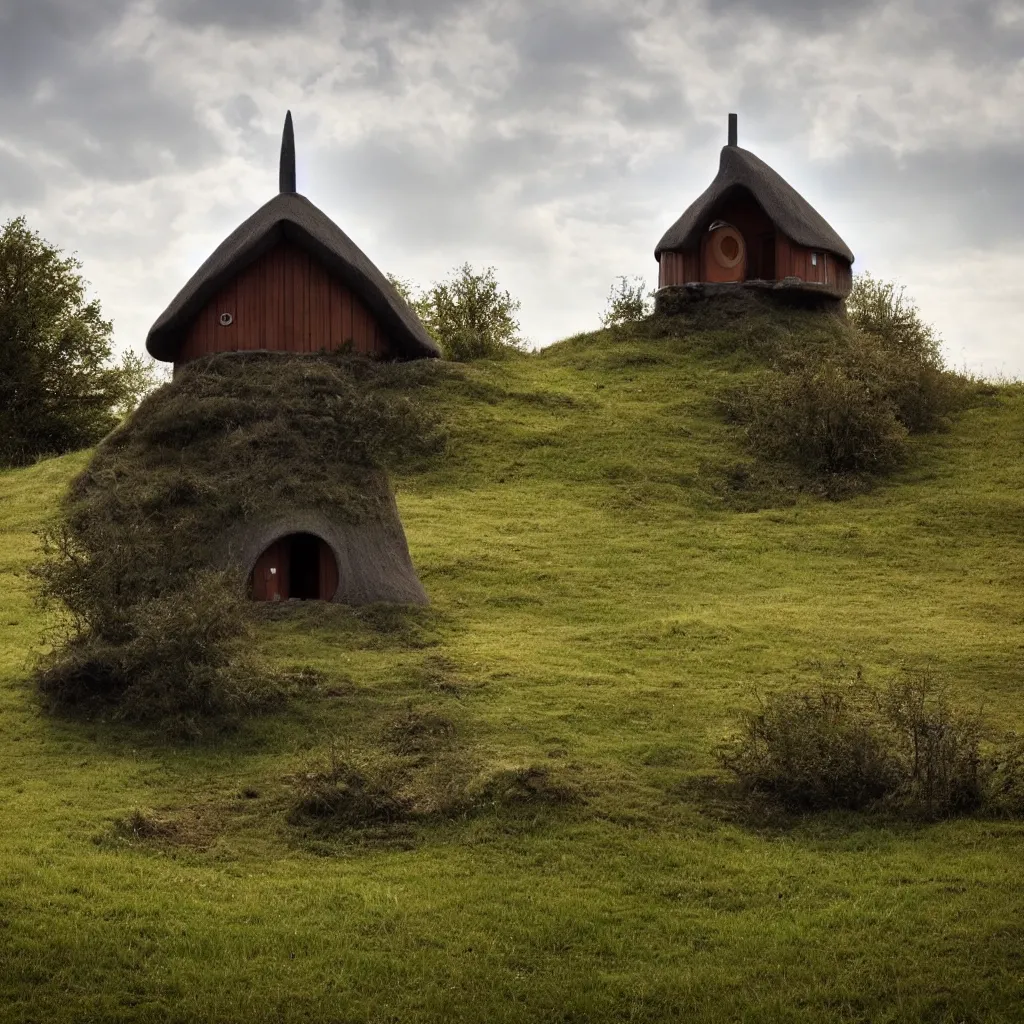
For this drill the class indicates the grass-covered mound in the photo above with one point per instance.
(838, 394)
(601, 614)
(137, 555)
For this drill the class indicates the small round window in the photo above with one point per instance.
(726, 246)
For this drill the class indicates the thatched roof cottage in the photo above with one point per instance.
(289, 281)
(750, 227)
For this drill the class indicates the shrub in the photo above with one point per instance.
(175, 660)
(938, 746)
(1005, 777)
(628, 302)
(470, 316)
(908, 748)
(883, 310)
(814, 750)
(822, 419)
(841, 398)
(924, 392)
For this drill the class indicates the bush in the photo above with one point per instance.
(1005, 782)
(849, 747)
(628, 302)
(923, 391)
(939, 748)
(822, 419)
(841, 398)
(883, 310)
(174, 661)
(469, 315)
(814, 750)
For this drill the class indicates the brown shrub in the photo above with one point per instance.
(907, 748)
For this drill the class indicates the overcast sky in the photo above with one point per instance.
(554, 141)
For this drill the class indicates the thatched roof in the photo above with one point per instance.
(293, 217)
(785, 207)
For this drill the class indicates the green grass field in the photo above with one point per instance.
(601, 609)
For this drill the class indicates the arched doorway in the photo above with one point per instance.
(299, 567)
(725, 254)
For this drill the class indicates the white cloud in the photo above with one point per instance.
(554, 142)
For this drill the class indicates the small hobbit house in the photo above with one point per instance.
(288, 279)
(750, 228)
(288, 283)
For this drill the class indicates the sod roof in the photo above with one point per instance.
(290, 216)
(785, 207)
(243, 448)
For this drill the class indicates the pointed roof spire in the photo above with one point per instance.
(287, 174)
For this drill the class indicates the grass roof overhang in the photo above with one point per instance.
(786, 208)
(292, 217)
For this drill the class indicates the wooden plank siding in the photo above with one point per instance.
(269, 579)
(794, 260)
(790, 260)
(328, 573)
(770, 255)
(285, 302)
(678, 268)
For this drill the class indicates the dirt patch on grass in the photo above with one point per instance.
(195, 828)
(437, 674)
(419, 732)
(430, 781)
(341, 794)
(525, 785)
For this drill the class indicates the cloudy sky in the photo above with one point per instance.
(554, 141)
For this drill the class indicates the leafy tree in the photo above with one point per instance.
(628, 302)
(469, 315)
(58, 388)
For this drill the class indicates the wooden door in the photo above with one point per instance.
(269, 580)
(725, 255)
(328, 572)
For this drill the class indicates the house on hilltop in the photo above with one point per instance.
(751, 228)
(288, 279)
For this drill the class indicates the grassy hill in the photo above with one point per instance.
(604, 601)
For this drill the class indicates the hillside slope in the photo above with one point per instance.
(601, 608)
